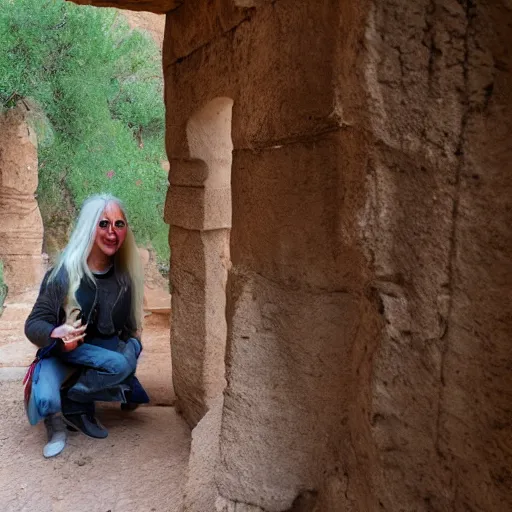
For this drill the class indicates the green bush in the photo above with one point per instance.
(100, 87)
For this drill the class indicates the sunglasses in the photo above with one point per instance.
(118, 224)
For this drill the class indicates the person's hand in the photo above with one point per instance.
(72, 335)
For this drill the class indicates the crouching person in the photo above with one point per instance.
(85, 322)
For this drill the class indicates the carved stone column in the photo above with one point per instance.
(21, 226)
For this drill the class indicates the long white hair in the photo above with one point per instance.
(74, 257)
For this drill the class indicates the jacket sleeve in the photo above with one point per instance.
(44, 316)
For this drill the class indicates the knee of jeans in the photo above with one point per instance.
(48, 404)
(120, 365)
(137, 345)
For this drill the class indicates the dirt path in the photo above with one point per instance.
(138, 468)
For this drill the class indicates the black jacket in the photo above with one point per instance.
(48, 311)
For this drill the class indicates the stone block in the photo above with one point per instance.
(289, 388)
(184, 207)
(195, 23)
(199, 261)
(280, 81)
(22, 272)
(285, 60)
(198, 208)
(187, 172)
(475, 410)
(217, 214)
(301, 202)
(188, 327)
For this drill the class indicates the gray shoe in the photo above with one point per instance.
(57, 435)
(87, 424)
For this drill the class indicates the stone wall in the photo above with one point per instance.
(371, 244)
(21, 226)
(440, 241)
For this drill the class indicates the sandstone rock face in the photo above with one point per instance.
(21, 226)
(368, 301)
(438, 222)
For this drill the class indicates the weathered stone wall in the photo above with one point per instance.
(297, 293)
(440, 240)
(21, 226)
(369, 297)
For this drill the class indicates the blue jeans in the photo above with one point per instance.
(51, 373)
(102, 370)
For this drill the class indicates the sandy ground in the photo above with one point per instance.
(140, 466)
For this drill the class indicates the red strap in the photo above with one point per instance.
(30, 372)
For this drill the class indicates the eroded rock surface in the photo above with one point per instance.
(369, 298)
(21, 226)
